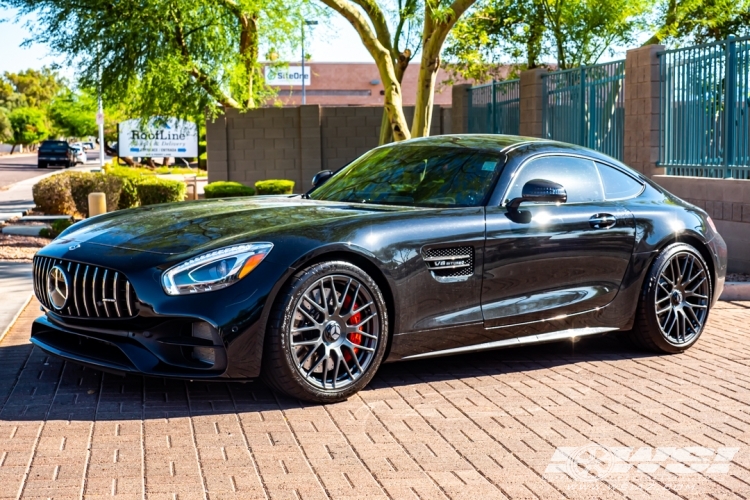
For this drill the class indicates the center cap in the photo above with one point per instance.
(333, 331)
(676, 297)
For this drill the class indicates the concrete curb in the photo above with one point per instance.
(736, 291)
(15, 318)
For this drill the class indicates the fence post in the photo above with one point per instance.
(642, 109)
(730, 93)
(582, 108)
(493, 89)
(530, 102)
(460, 97)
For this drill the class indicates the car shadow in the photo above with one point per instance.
(36, 386)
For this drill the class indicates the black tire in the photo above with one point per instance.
(282, 364)
(655, 325)
(41, 164)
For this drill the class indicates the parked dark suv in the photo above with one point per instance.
(55, 153)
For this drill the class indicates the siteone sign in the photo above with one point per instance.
(287, 76)
(158, 138)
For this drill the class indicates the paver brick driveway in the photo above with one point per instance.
(594, 419)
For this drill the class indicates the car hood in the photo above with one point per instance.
(202, 225)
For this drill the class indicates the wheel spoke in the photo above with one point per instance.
(359, 310)
(359, 325)
(305, 329)
(336, 371)
(307, 356)
(317, 306)
(305, 342)
(351, 344)
(354, 329)
(317, 363)
(668, 307)
(307, 315)
(343, 297)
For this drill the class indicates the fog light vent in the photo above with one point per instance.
(203, 330)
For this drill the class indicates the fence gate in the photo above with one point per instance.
(705, 119)
(494, 108)
(586, 106)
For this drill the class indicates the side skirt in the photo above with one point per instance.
(518, 341)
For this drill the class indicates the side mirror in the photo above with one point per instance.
(321, 177)
(540, 190)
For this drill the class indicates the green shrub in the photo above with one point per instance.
(224, 189)
(274, 186)
(84, 183)
(58, 227)
(129, 193)
(52, 195)
(203, 160)
(154, 190)
(181, 171)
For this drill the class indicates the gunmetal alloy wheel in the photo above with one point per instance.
(327, 334)
(674, 305)
(335, 331)
(681, 300)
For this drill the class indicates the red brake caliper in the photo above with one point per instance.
(354, 338)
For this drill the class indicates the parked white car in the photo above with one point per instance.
(79, 153)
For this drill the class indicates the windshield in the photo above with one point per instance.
(422, 176)
(56, 146)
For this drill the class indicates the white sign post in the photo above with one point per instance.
(158, 138)
(287, 76)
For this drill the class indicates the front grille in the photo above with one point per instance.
(93, 292)
(450, 262)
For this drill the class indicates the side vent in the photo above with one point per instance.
(450, 264)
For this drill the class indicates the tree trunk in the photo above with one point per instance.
(386, 135)
(420, 127)
(249, 52)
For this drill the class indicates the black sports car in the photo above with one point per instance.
(427, 247)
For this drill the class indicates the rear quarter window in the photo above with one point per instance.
(618, 185)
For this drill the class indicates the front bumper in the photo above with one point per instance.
(718, 249)
(166, 349)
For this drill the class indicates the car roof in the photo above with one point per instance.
(486, 142)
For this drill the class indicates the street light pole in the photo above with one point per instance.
(309, 23)
(100, 114)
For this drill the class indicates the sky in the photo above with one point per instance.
(335, 41)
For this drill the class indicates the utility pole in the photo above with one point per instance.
(100, 118)
(309, 23)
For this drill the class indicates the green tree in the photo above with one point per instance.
(73, 114)
(175, 57)
(700, 21)
(38, 87)
(28, 125)
(6, 131)
(522, 32)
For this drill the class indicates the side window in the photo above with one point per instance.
(618, 185)
(578, 176)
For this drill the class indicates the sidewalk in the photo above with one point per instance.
(16, 287)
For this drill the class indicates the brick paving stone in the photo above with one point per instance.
(490, 425)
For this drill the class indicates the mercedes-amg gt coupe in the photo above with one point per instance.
(424, 248)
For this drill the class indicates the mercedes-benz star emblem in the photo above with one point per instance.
(333, 331)
(57, 287)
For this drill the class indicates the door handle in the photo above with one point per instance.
(603, 221)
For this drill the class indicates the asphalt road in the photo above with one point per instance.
(20, 167)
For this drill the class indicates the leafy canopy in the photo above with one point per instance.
(167, 57)
(29, 126)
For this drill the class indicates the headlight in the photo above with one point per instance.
(214, 270)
